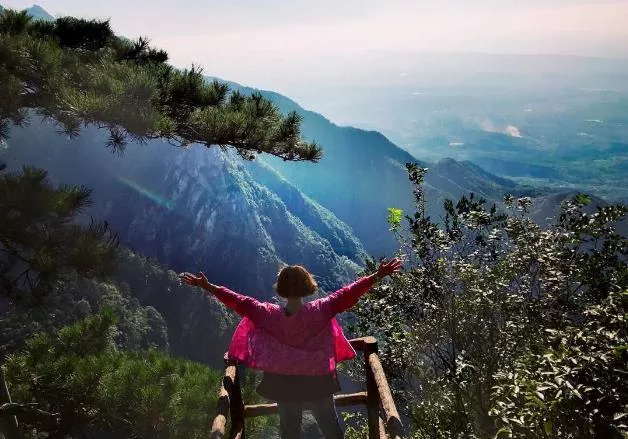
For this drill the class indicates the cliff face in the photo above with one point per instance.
(197, 209)
(219, 219)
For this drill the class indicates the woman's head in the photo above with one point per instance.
(295, 281)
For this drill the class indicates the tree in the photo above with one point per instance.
(83, 382)
(77, 72)
(138, 326)
(40, 242)
(500, 327)
(76, 381)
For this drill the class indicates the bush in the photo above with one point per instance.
(500, 327)
(80, 375)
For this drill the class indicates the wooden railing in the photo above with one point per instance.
(383, 419)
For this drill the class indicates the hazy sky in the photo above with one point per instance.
(276, 43)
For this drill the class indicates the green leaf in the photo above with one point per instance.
(537, 401)
(583, 199)
(503, 432)
(394, 218)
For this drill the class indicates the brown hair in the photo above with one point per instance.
(295, 281)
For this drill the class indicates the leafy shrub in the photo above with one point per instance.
(500, 327)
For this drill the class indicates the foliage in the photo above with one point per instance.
(40, 244)
(501, 327)
(77, 72)
(356, 426)
(199, 327)
(80, 375)
(577, 387)
(138, 327)
(394, 218)
(153, 307)
(68, 271)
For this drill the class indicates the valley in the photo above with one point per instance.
(545, 122)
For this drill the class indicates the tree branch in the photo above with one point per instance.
(30, 413)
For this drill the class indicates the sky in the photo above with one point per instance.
(289, 44)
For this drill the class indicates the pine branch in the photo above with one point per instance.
(30, 413)
(78, 73)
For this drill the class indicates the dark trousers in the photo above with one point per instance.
(324, 411)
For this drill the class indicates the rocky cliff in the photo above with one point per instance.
(197, 209)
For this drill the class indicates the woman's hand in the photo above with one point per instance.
(195, 281)
(388, 268)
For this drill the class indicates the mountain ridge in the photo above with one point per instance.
(357, 162)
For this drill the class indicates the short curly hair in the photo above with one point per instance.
(295, 281)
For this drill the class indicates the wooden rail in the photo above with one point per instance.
(383, 419)
(350, 399)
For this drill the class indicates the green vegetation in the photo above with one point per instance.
(78, 72)
(103, 373)
(39, 243)
(501, 328)
(54, 272)
(106, 373)
(138, 326)
(80, 378)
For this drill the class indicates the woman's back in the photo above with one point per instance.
(308, 342)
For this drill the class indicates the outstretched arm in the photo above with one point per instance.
(348, 296)
(244, 305)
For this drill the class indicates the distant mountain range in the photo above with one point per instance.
(546, 209)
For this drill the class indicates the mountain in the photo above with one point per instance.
(154, 308)
(546, 209)
(362, 173)
(37, 12)
(312, 214)
(198, 327)
(206, 209)
(196, 209)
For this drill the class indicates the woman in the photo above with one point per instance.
(297, 346)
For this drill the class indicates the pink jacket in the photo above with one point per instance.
(309, 342)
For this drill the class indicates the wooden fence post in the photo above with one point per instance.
(372, 399)
(392, 420)
(236, 405)
(8, 425)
